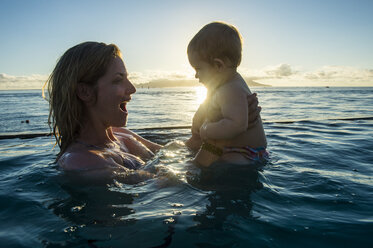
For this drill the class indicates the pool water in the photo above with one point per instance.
(316, 190)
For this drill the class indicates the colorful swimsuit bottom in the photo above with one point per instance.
(254, 154)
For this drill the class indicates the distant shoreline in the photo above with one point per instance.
(141, 86)
(165, 83)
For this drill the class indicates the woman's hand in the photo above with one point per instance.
(253, 109)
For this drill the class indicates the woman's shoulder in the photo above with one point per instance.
(80, 159)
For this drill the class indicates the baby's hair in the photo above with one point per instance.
(218, 40)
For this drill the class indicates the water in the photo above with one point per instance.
(316, 190)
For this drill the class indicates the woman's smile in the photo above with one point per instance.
(123, 105)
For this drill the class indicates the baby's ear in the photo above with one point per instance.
(85, 92)
(219, 64)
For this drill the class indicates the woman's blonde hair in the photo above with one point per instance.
(83, 63)
(218, 40)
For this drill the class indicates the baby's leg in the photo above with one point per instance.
(205, 158)
(235, 158)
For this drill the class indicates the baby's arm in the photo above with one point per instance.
(198, 118)
(195, 141)
(234, 108)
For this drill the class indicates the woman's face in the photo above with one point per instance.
(114, 91)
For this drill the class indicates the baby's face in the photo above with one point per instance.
(205, 72)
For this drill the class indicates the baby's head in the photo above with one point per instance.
(216, 45)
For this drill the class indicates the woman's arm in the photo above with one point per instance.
(88, 167)
(136, 144)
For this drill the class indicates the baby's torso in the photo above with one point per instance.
(253, 136)
(214, 113)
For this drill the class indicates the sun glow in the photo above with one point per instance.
(201, 93)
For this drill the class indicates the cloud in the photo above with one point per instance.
(282, 70)
(276, 75)
(341, 73)
(284, 74)
(8, 82)
(269, 72)
(151, 76)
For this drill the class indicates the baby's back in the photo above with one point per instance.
(252, 135)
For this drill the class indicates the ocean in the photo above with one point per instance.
(316, 190)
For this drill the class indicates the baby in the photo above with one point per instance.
(221, 122)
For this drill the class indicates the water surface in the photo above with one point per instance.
(315, 191)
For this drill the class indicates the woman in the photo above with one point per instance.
(88, 93)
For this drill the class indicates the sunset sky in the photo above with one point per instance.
(286, 43)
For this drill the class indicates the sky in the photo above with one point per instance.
(286, 42)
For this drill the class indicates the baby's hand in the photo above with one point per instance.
(203, 131)
(194, 142)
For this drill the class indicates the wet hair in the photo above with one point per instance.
(83, 63)
(218, 40)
